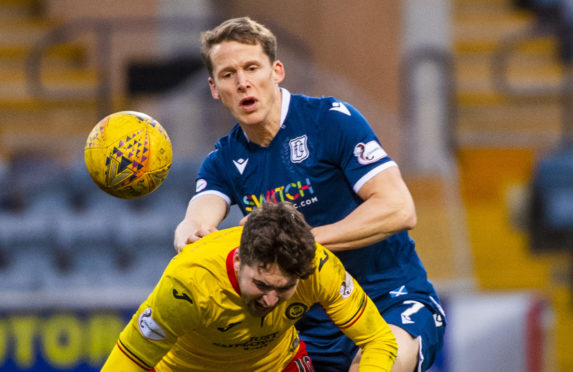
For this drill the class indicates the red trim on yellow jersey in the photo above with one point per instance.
(231, 271)
(132, 356)
(358, 314)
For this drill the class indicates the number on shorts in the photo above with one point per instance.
(406, 314)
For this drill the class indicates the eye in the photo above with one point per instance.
(262, 286)
(286, 289)
(225, 74)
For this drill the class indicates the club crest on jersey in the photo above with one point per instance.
(370, 152)
(149, 327)
(298, 149)
(295, 310)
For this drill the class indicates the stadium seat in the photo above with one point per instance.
(29, 269)
(58, 230)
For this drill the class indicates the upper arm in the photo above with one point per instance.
(169, 312)
(354, 313)
(339, 293)
(389, 189)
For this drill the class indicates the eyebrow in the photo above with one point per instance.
(246, 64)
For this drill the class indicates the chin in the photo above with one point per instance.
(250, 119)
(259, 312)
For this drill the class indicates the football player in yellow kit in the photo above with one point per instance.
(229, 302)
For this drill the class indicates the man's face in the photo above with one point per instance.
(246, 81)
(263, 289)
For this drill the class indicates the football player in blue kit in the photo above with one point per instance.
(321, 155)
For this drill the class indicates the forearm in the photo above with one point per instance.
(202, 217)
(375, 338)
(371, 222)
(388, 208)
(378, 356)
(206, 210)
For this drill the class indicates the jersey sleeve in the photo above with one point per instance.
(355, 147)
(354, 313)
(210, 179)
(169, 312)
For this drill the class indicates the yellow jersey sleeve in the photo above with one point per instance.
(351, 310)
(119, 361)
(168, 313)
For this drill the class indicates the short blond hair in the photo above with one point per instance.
(243, 30)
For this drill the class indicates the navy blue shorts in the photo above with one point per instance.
(332, 351)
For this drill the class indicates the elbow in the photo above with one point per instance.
(411, 221)
(409, 218)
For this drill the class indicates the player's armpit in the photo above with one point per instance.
(118, 361)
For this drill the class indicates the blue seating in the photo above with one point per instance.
(59, 231)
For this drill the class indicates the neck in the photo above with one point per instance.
(263, 133)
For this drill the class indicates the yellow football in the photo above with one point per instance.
(128, 154)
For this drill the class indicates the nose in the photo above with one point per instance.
(242, 82)
(270, 299)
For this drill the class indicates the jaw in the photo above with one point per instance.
(257, 310)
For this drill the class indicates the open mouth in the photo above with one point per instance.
(261, 309)
(260, 306)
(248, 102)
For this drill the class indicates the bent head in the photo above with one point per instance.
(264, 288)
(277, 250)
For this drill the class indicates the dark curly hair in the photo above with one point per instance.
(243, 30)
(278, 233)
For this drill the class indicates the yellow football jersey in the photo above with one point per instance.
(195, 318)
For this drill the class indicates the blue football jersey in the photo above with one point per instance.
(323, 153)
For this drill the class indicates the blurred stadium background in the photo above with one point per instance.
(472, 97)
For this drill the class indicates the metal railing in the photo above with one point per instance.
(104, 31)
(500, 72)
(442, 60)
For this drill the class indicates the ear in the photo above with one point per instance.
(279, 71)
(214, 92)
(236, 261)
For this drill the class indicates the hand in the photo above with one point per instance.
(203, 215)
(187, 233)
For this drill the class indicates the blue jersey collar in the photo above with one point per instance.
(285, 104)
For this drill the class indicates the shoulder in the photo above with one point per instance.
(229, 142)
(310, 103)
(324, 283)
(208, 254)
(329, 110)
(225, 148)
(233, 138)
(326, 261)
(200, 269)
